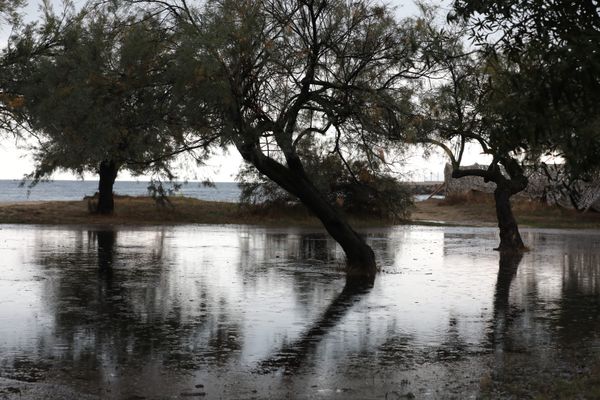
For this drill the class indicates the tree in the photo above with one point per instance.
(11, 59)
(554, 43)
(9, 11)
(280, 72)
(475, 103)
(354, 186)
(104, 100)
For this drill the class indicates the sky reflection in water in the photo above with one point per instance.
(261, 312)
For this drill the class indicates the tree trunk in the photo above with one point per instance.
(108, 173)
(510, 238)
(360, 258)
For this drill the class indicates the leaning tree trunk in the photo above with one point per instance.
(510, 238)
(360, 258)
(108, 173)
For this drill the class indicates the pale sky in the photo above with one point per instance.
(15, 161)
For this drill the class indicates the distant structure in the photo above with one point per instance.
(547, 187)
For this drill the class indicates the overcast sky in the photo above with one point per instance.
(15, 161)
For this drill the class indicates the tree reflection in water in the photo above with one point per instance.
(292, 355)
(148, 311)
(545, 323)
(507, 270)
(116, 314)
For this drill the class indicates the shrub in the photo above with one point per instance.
(356, 188)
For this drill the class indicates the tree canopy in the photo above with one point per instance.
(104, 100)
(554, 43)
(290, 70)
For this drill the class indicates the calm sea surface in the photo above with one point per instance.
(11, 191)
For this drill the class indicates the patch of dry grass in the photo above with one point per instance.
(478, 209)
(469, 197)
(473, 210)
(144, 211)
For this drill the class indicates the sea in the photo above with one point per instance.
(12, 190)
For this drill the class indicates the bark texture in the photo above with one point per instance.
(108, 173)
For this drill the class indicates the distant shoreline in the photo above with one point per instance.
(117, 180)
(70, 190)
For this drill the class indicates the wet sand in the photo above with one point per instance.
(256, 313)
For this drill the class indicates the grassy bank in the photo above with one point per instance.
(479, 210)
(144, 211)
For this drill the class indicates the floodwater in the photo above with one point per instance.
(248, 312)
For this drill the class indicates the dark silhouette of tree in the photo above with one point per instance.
(281, 72)
(103, 100)
(554, 43)
(470, 104)
(355, 186)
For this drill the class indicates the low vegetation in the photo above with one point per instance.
(180, 210)
(474, 210)
(354, 187)
(478, 209)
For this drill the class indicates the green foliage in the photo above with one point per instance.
(554, 46)
(288, 71)
(10, 11)
(26, 40)
(104, 93)
(485, 99)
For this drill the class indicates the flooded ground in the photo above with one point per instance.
(243, 312)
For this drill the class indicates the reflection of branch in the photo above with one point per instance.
(291, 355)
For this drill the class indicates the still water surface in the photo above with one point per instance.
(250, 312)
